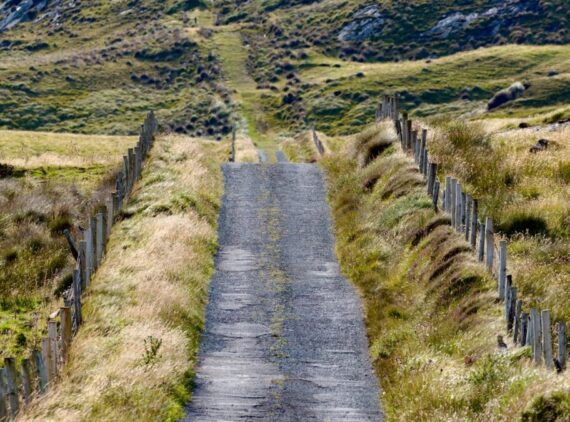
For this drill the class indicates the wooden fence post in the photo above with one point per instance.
(481, 254)
(52, 349)
(467, 216)
(66, 332)
(409, 135)
(88, 254)
(561, 328)
(40, 370)
(432, 174)
(83, 267)
(99, 238)
(517, 329)
(110, 215)
(435, 196)
(3, 395)
(490, 243)
(233, 152)
(77, 297)
(25, 374)
(452, 200)
(511, 309)
(12, 386)
(446, 204)
(524, 329)
(474, 206)
(94, 239)
(458, 195)
(536, 336)
(71, 243)
(502, 268)
(546, 339)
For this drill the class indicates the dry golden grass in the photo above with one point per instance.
(245, 150)
(152, 284)
(36, 149)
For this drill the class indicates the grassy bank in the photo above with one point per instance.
(133, 357)
(49, 183)
(430, 312)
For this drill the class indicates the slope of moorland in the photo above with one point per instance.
(133, 357)
(430, 307)
(48, 183)
(98, 67)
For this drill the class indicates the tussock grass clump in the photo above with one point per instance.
(371, 142)
(506, 95)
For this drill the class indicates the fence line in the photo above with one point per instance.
(527, 328)
(33, 377)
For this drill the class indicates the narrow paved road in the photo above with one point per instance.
(284, 338)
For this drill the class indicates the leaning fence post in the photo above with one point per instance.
(502, 268)
(490, 244)
(536, 336)
(12, 387)
(71, 243)
(546, 339)
(41, 370)
(77, 296)
(25, 374)
(561, 328)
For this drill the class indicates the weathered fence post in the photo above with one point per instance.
(546, 339)
(12, 386)
(517, 329)
(490, 243)
(95, 240)
(66, 332)
(435, 196)
(502, 268)
(233, 153)
(458, 195)
(446, 203)
(452, 200)
(536, 336)
(467, 216)
(40, 370)
(83, 263)
(77, 297)
(474, 217)
(409, 135)
(110, 215)
(511, 309)
(432, 174)
(561, 329)
(99, 238)
(524, 337)
(52, 349)
(26, 377)
(481, 254)
(71, 243)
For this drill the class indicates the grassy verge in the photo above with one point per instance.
(429, 306)
(133, 358)
(55, 179)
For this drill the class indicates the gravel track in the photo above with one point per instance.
(284, 337)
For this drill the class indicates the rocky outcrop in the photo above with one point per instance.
(364, 23)
(491, 19)
(12, 12)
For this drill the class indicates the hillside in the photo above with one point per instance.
(97, 67)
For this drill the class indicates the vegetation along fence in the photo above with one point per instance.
(528, 327)
(34, 375)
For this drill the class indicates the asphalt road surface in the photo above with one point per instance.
(284, 337)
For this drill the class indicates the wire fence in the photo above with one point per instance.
(528, 327)
(33, 376)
